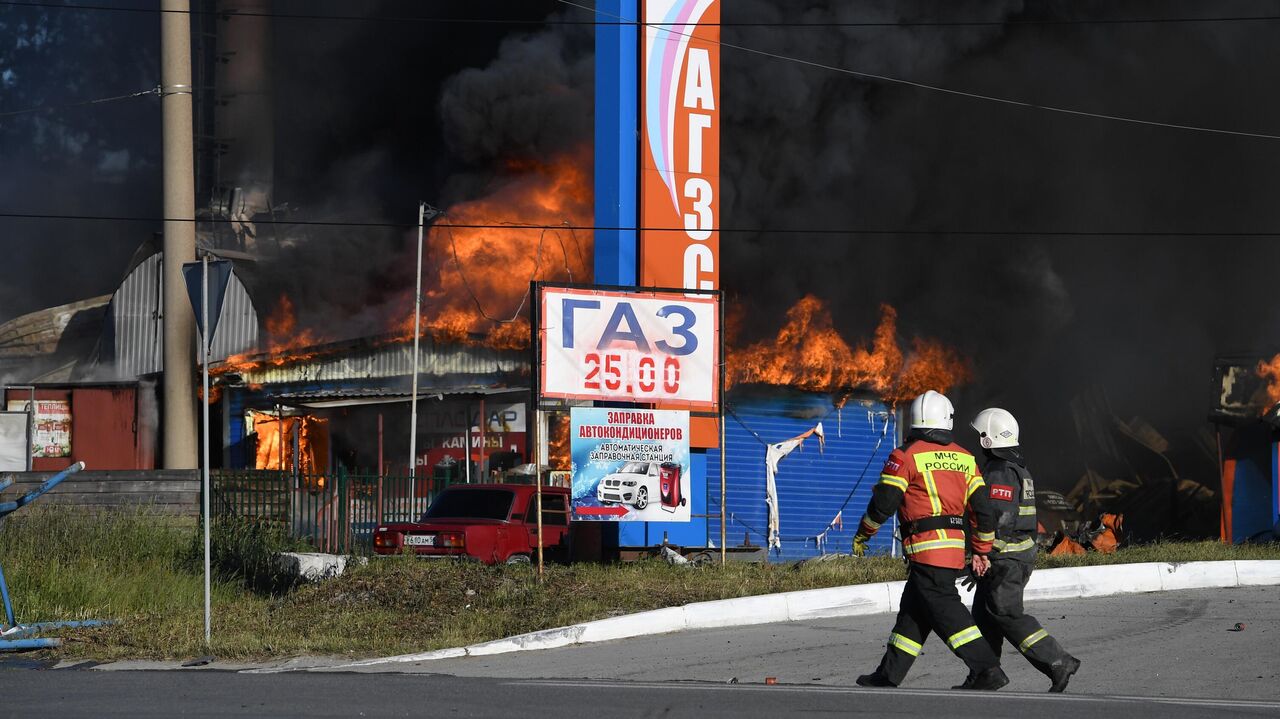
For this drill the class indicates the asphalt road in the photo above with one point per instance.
(1150, 655)
(1168, 644)
(225, 694)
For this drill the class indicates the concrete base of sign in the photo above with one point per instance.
(314, 566)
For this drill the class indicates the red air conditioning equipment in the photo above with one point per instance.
(669, 485)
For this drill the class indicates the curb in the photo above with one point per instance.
(858, 600)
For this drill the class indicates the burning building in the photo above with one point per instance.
(354, 396)
(92, 368)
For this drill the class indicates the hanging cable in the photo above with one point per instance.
(157, 90)
(665, 27)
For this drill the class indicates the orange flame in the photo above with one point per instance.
(558, 441)
(285, 343)
(276, 436)
(810, 354)
(479, 266)
(1270, 371)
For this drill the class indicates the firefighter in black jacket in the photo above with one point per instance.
(997, 601)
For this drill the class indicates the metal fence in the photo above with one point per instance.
(334, 513)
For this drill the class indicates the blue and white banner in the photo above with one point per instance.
(630, 465)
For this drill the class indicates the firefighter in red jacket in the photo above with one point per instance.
(997, 601)
(930, 482)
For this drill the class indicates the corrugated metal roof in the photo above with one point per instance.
(137, 320)
(357, 361)
(346, 397)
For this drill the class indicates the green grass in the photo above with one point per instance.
(145, 572)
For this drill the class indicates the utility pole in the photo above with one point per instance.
(179, 433)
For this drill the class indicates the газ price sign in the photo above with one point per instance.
(648, 347)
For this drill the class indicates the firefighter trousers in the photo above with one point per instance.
(997, 609)
(930, 603)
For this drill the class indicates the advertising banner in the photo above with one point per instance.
(630, 346)
(52, 430)
(630, 464)
(680, 144)
(15, 446)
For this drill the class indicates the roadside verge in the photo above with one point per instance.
(855, 600)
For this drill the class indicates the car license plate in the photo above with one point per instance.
(420, 540)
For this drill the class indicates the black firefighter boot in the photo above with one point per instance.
(874, 679)
(1061, 671)
(987, 680)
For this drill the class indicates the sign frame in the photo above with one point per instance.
(540, 406)
(711, 408)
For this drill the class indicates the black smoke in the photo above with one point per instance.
(372, 117)
(87, 160)
(1043, 318)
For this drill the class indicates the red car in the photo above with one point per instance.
(492, 523)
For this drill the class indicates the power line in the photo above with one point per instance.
(881, 231)
(664, 27)
(50, 108)
(776, 24)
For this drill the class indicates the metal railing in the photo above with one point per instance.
(333, 513)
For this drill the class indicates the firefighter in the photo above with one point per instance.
(997, 601)
(929, 482)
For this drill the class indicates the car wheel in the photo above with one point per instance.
(642, 498)
(518, 559)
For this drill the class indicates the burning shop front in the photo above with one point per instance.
(345, 407)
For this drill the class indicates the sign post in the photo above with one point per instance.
(208, 311)
(658, 350)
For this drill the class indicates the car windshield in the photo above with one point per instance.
(471, 504)
(634, 468)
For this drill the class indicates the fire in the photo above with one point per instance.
(558, 426)
(282, 440)
(477, 281)
(285, 343)
(810, 354)
(1270, 371)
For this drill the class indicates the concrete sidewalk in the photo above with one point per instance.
(1170, 644)
(860, 600)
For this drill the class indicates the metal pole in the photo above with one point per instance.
(466, 453)
(179, 233)
(204, 365)
(380, 467)
(537, 473)
(31, 429)
(417, 334)
(535, 392)
(724, 553)
(484, 421)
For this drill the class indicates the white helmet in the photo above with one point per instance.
(996, 428)
(931, 410)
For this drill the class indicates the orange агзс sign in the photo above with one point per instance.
(680, 147)
(680, 155)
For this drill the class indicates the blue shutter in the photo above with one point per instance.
(812, 484)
